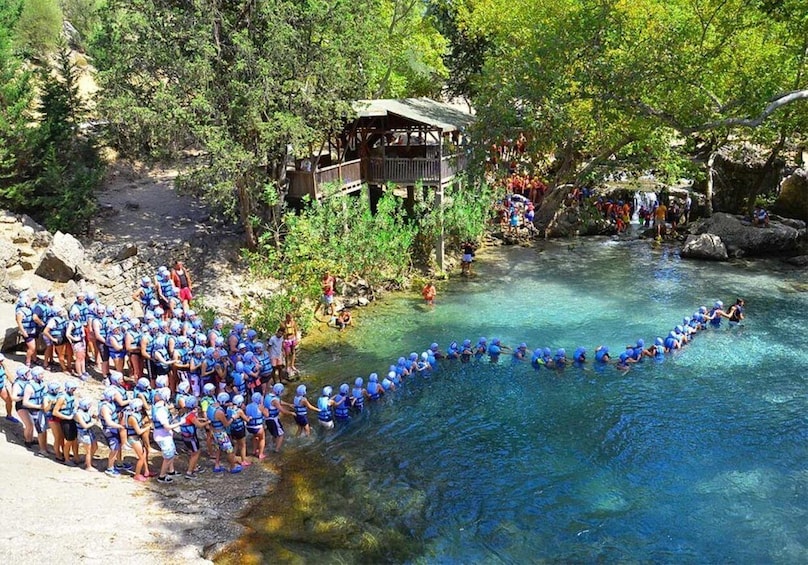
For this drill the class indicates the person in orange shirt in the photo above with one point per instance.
(429, 292)
(659, 218)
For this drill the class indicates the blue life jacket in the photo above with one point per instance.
(147, 296)
(188, 430)
(69, 408)
(130, 430)
(274, 411)
(58, 330)
(113, 414)
(155, 421)
(50, 400)
(342, 407)
(300, 408)
(373, 391)
(358, 396)
(325, 410)
(166, 286)
(240, 382)
(265, 364)
(253, 412)
(37, 392)
(27, 321)
(211, 414)
(237, 424)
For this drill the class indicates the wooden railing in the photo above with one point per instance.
(347, 174)
(379, 170)
(408, 171)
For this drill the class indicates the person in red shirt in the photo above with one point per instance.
(181, 278)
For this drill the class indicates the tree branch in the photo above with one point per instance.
(773, 106)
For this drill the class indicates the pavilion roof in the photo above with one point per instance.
(447, 117)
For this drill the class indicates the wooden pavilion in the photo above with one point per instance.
(401, 142)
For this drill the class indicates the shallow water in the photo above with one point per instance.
(700, 458)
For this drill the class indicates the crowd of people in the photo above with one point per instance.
(169, 378)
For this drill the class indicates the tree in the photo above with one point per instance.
(67, 163)
(16, 100)
(39, 26)
(250, 84)
(618, 83)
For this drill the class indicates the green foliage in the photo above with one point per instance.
(16, 99)
(84, 15)
(69, 168)
(463, 216)
(593, 84)
(39, 26)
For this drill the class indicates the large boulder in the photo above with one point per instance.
(705, 246)
(62, 258)
(793, 199)
(742, 238)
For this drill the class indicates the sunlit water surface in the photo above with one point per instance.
(701, 458)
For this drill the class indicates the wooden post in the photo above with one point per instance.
(439, 245)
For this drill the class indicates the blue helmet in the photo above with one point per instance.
(301, 390)
(344, 388)
(358, 381)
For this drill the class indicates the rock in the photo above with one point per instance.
(750, 240)
(362, 301)
(69, 291)
(793, 199)
(7, 218)
(8, 327)
(126, 251)
(17, 286)
(798, 261)
(62, 258)
(705, 246)
(15, 271)
(26, 221)
(71, 35)
(27, 263)
(42, 239)
(8, 255)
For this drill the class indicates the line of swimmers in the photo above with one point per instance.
(128, 417)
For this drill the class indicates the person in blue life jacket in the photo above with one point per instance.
(342, 403)
(301, 407)
(255, 424)
(326, 405)
(26, 327)
(481, 348)
(520, 353)
(560, 359)
(466, 351)
(64, 410)
(219, 424)
(602, 354)
(358, 395)
(715, 314)
(273, 408)
(495, 350)
(32, 400)
(85, 421)
(671, 343)
(537, 358)
(579, 357)
(388, 383)
(138, 427)
(238, 429)
(163, 433)
(374, 389)
(434, 351)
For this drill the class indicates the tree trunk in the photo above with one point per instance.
(245, 212)
(708, 193)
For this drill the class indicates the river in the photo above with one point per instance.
(700, 458)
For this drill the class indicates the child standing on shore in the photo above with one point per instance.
(429, 292)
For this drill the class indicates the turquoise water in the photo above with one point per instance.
(701, 458)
